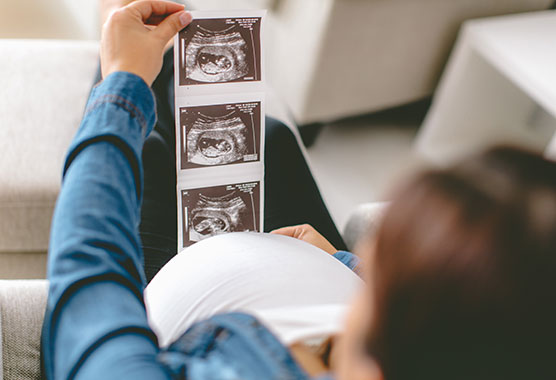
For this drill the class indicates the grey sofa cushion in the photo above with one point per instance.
(1, 358)
(22, 306)
(363, 222)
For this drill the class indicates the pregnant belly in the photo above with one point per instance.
(246, 272)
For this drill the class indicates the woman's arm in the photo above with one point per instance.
(95, 324)
(95, 306)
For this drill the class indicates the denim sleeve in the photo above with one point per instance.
(95, 325)
(349, 260)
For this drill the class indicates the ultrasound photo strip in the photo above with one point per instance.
(220, 50)
(220, 124)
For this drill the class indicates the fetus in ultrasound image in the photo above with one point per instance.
(220, 51)
(220, 134)
(218, 210)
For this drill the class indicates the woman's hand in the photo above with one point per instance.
(134, 37)
(308, 234)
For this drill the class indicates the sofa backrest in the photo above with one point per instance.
(45, 85)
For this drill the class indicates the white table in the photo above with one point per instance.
(499, 87)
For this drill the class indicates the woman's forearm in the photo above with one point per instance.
(96, 323)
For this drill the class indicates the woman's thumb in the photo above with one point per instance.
(172, 25)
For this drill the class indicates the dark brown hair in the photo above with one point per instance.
(464, 274)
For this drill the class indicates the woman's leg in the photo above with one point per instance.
(158, 228)
(291, 195)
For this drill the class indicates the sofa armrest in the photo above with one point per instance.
(363, 222)
(22, 307)
(550, 151)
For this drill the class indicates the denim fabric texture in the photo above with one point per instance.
(95, 325)
(349, 260)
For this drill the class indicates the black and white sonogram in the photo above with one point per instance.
(220, 50)
(220, 134)
(220, 209)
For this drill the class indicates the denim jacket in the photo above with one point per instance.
(95, 325)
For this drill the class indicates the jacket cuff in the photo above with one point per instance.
(348, 259)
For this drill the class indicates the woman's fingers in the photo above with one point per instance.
(172, 25)
(169, 17)
(293, 231)
(128, 44)
(152, 10)
(308, 234)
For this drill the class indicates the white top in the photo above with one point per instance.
(297, 290)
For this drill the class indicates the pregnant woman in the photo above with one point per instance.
(460, 280)
(99, 263)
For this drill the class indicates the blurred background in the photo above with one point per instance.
(378, 89)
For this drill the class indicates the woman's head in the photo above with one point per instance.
(462, 282)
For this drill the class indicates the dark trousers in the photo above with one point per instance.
(291, 194)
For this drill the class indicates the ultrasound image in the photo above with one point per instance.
(216, 56)
(220, 134)
(217, 140)
(214, 216)
(220, 209)
(220, 51)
